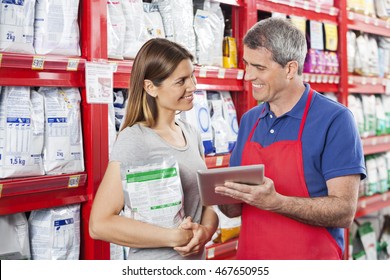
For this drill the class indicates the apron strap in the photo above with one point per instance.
(308, 102)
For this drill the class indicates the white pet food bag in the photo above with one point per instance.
(135, 35)
(56, 29)
(153, 192)
(219, 124)
(17, 26)
(55, 233)
(21, 132)
(178, 19)
(14, 241)
(63, 149)
(154, 27)
(116, 29)
(199, 116)
(230, 115)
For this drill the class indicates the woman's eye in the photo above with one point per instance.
(180, 82)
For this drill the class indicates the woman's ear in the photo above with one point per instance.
(291, 69)
(150, 88)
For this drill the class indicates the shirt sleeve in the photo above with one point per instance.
(343, 152)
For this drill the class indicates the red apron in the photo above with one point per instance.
(271, 236)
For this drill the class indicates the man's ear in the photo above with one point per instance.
(150, 88)
(291, 69)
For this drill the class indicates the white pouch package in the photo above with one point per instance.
(356, 107)
(204, 37)
(219, 124)
(135, 35)
(154, 27)
(55, 233)
(21, 132)
(56, 29)
(63, 149)
(178, 19)
(116, 29)
(153, 192)
(199, 116)
(230, 115)
(17, 26)
(14, 241)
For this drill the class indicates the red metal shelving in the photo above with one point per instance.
(368, 24)
(376, 144)
(217, 161)
(371, 204)
(222, 251)
(311, 10)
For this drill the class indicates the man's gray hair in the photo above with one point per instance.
(279, 36)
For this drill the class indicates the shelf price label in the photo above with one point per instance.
(38, 63)
(317, 9)
(1, 58)
(73, 64)
(219, 161)
(240, 74)
(221, 73)
(74, 181)
(202, 72)
(1, 189)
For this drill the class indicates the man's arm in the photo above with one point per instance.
(335, 210)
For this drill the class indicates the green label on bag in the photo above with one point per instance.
(151, 175)
(165, 205)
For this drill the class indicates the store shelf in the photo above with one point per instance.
(208, 77)
(376, 144)
(218, 161)
(322, 82)
(311, 10)
(367, 85)
(216, 78)
(371, 204)
(230, 2)
(41, 70)
(222, 251)
(29, 193)
(368, 24)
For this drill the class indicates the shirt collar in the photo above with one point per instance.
(296, 111)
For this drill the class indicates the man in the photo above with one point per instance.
(310, 148)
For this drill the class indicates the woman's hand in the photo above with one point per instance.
(201, 235)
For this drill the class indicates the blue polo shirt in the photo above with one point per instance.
(331, 144)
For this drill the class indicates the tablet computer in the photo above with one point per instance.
(210, 178)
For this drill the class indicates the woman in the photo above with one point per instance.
(162, 83)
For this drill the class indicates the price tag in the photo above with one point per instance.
(74, 181)
(364, 81)
(306, 5)
(387, 87)
(202, 72)
(351, 16)
(312, 78)
(384, 196)
(325, 78)
(332, 11)
(306, 78)
(211, 253)
(292, 3)
(331, 79)
(363, 203)
(367, 19)
(219, 161)
(376, 22)
(221, 73)
(373, 81)
(114, 67)
(317, 9)
(350, 80)
(73, 64)
(1, 58)
(1, 189)
(38, 63)
(337, 79)
(318, 78)
(240, 74)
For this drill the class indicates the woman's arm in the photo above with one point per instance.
(106, 224)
